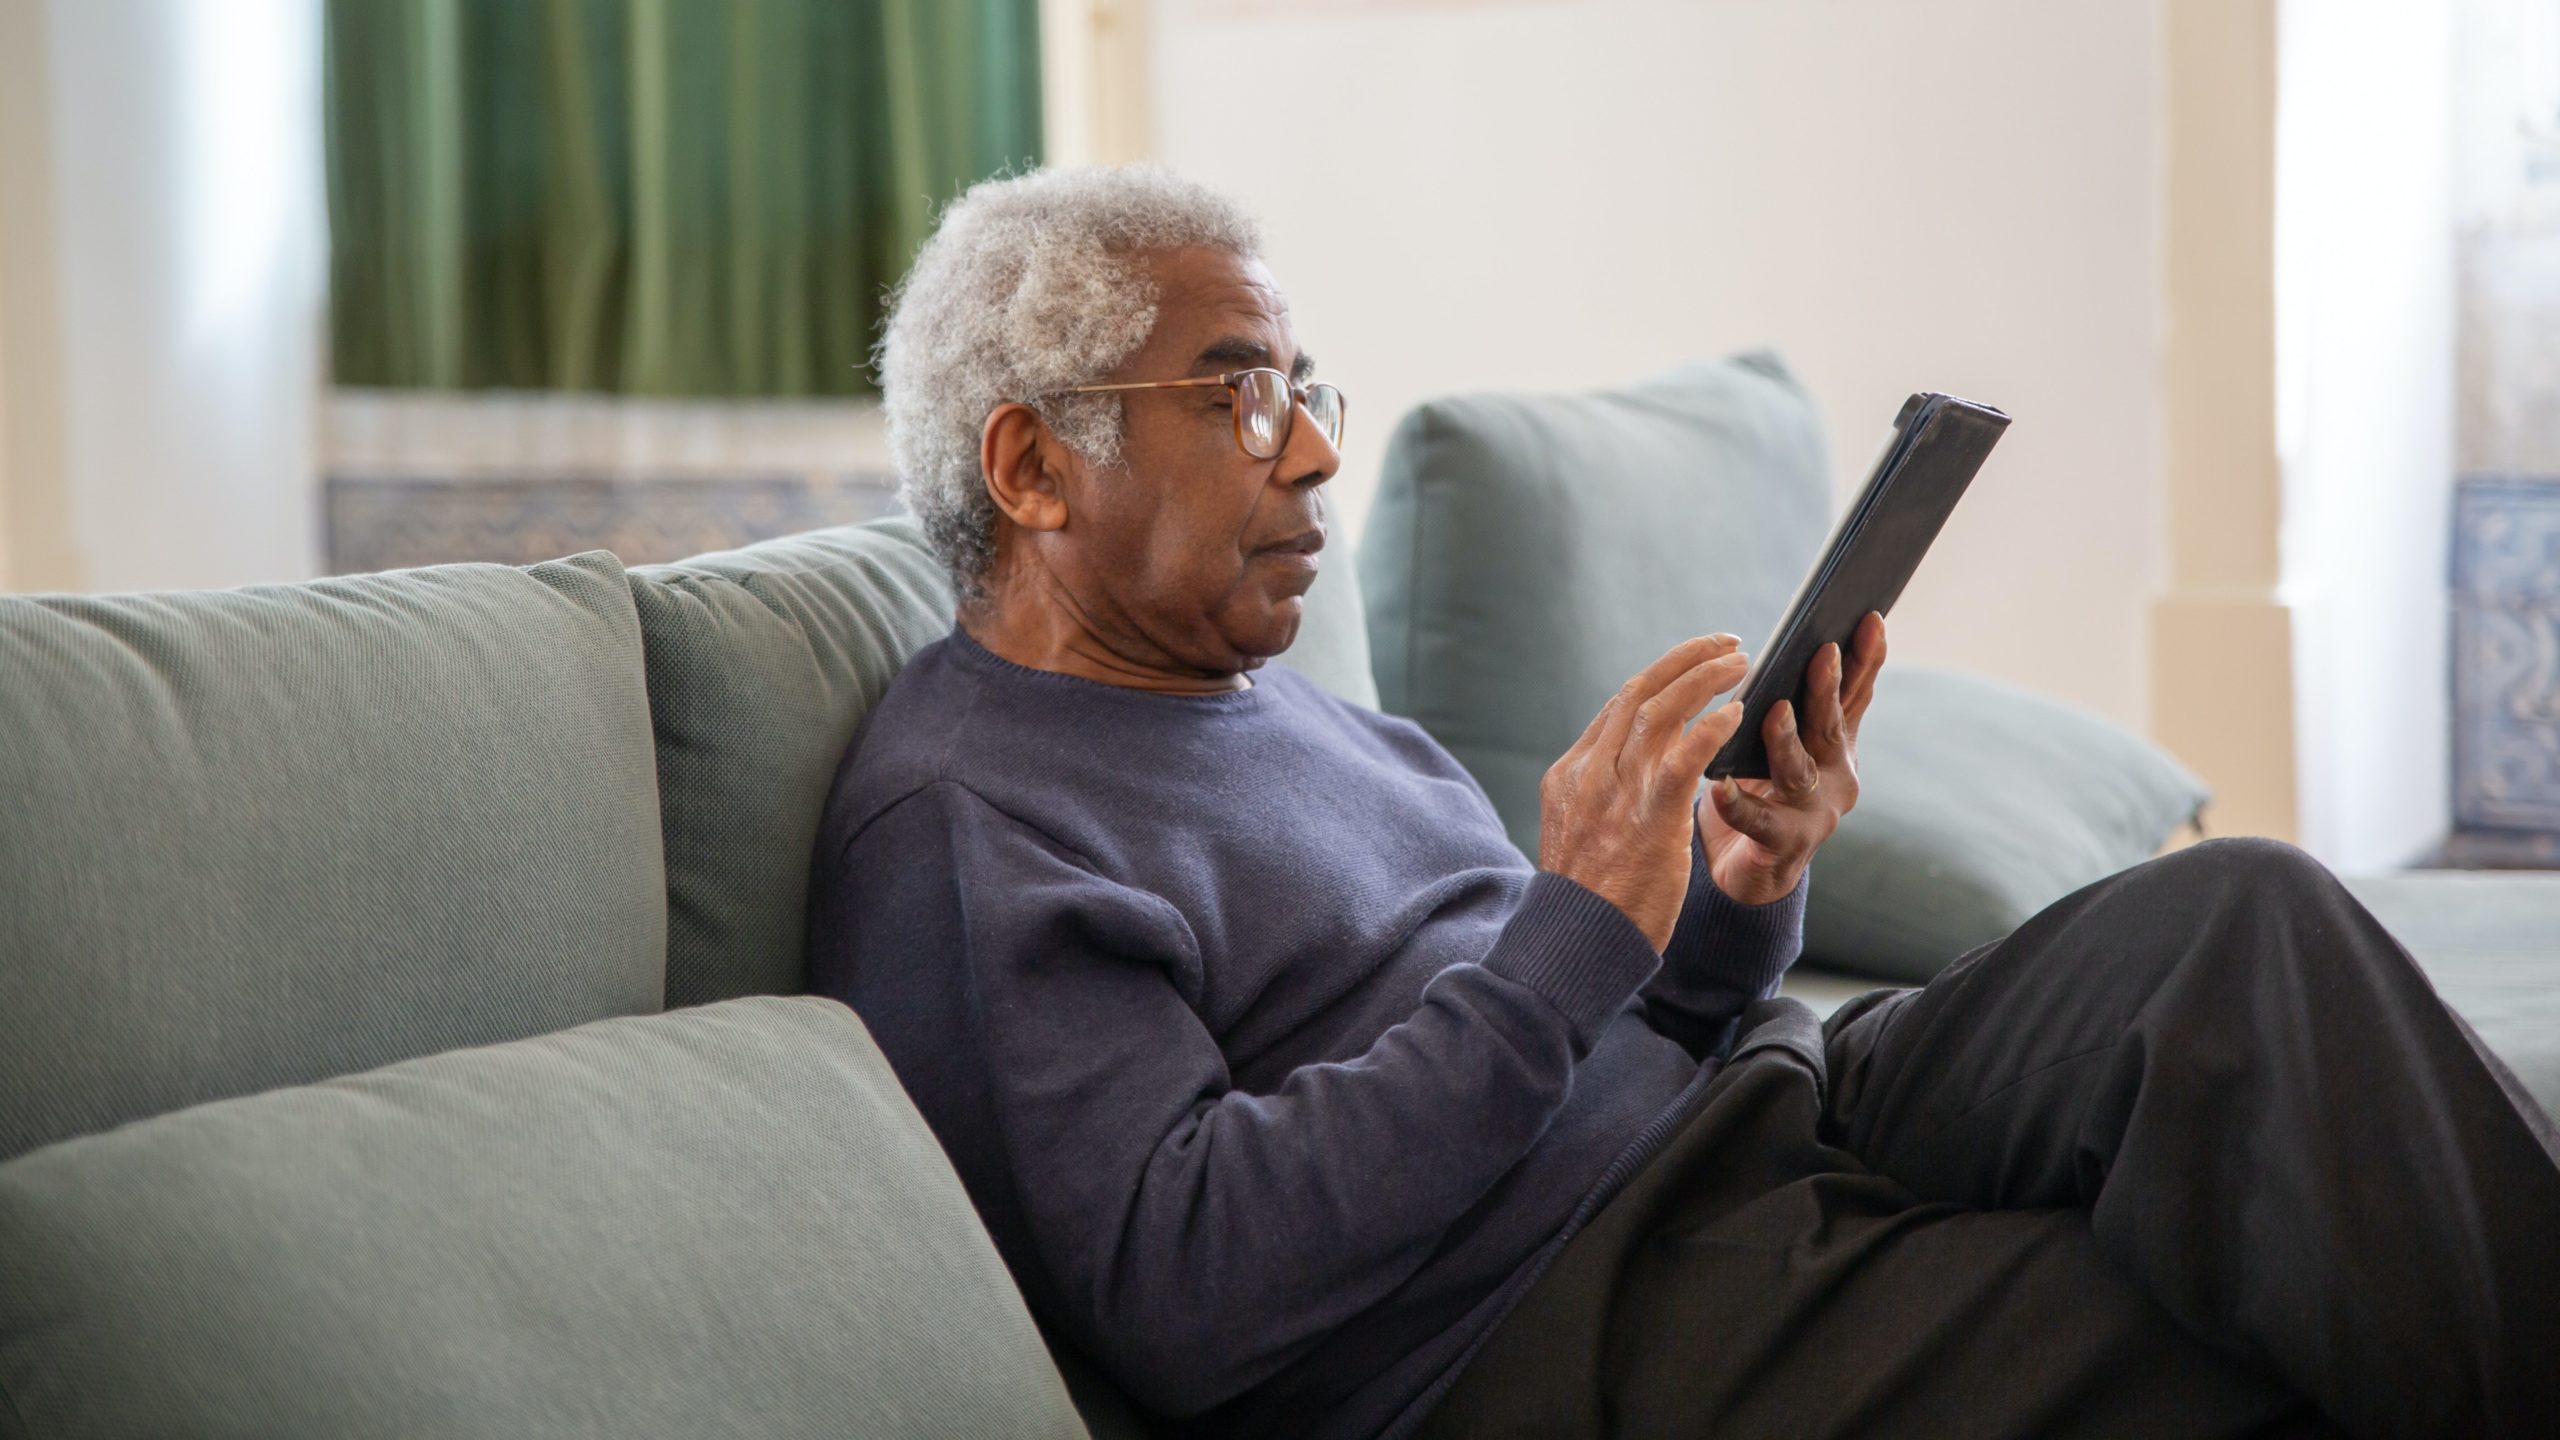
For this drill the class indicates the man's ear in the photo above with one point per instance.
(1021, 463)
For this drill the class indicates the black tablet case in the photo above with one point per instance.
(1939, 443)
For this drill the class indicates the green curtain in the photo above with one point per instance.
(661, 197)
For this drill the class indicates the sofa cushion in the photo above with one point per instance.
(1978, 805)
(762, 662)
(263, 836)
(1526, 554)
(2490, 943)
(726, 1221)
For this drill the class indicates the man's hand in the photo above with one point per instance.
(1613, 813)
(1760, 833)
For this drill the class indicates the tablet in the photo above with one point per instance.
(1938, 442)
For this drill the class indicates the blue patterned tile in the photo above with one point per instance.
(2506, 653)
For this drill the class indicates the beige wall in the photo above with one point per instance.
(2221, 636)
(1961, 196)
(4, 426)
(1094, 86)
(35, 553)
(2066, 210)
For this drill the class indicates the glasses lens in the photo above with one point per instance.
(1325, 404)
(1262, 412)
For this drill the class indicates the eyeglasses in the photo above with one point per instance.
(1266, 405)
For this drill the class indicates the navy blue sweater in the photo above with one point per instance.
(1274, 1068)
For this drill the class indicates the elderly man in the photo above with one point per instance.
(1304, 1104)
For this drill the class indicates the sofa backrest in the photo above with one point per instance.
(1527, 553)
(265, 836)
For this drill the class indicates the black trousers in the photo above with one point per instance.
(2196, 1152)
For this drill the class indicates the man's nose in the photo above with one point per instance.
(1309, 459)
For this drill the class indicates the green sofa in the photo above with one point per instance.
(397, 1027)
(396, 1020)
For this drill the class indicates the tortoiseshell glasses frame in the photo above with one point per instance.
(1266, 406)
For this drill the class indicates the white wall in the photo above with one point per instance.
(1959, 196)
(189, 278)
(2365, 347)
(2507, 228)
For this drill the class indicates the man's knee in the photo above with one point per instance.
(2221, 913)
(2249, 866)
(2236, 907)
(2256, 904)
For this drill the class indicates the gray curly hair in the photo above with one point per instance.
(1029, 285)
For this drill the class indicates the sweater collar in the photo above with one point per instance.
(978, 660)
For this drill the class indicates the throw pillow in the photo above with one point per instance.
(725, 1221)
(762, 662)
(1978, 805)
(1527, 553)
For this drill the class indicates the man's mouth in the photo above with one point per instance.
(1305, 542)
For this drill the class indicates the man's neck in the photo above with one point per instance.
(1058, 638)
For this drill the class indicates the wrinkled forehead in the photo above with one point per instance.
(1218, 311)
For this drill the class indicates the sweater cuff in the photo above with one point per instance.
(1753, 944)
(1576, 949)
